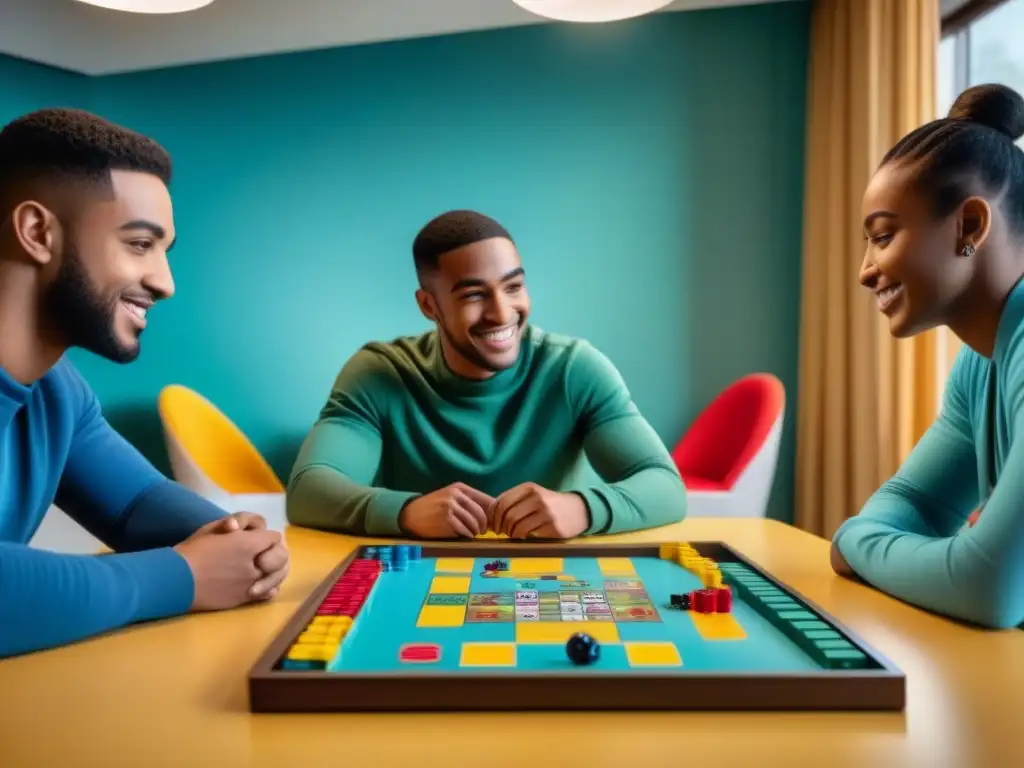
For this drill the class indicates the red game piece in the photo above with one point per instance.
(419, 653)
(705, 600)
(723, 600)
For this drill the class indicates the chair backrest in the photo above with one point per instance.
(199, 434)
(728, 434)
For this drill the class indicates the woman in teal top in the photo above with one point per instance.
(944, 222)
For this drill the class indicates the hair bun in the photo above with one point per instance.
(995, 106)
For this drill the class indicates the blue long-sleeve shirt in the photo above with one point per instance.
(910, 540)
(57, 448)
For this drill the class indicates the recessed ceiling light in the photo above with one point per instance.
(149, 6)
(592, 10)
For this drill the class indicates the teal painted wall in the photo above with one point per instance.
(25, 86)
(650, 171)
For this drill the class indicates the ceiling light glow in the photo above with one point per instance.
(149, 6)
(592, 10)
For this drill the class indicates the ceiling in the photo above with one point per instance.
(95, 41)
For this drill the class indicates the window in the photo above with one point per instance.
(987, 50)
(993, 47)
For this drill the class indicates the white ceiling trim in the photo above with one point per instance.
(96, 41)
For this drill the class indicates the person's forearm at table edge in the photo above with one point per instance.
(49, 599)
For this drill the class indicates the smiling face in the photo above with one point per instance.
(112, 267)
(478, 298)
(913, 261)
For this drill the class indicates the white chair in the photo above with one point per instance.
(59, 533)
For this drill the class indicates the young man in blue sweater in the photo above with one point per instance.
(944, 221)
(85, 229)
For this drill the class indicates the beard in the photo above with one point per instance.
(466, 350)
(81, 315)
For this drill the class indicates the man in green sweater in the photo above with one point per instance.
(486, 423)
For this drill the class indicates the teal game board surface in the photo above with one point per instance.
(677, 626)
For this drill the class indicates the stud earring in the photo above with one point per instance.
(968, 251)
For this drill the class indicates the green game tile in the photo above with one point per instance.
(779, 605)
(797, 616)
(446, 599)
(776, 608)
(823, 635)
(834, 645)
(846, 659)
(626, 600)
(768, 594)
(750, 580)
(805, 625)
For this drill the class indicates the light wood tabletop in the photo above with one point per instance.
(175, 692)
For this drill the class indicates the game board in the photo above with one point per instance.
(490, 626)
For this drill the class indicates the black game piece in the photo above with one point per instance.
(582, 649)
(682, 602)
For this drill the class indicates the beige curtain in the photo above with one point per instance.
(864, 398)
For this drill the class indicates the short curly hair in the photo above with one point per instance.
(450, 231)
(74, 144)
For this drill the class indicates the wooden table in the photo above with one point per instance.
(174, 693)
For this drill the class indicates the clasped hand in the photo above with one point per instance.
(527, 510)
(235, 560)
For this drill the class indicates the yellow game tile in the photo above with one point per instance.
(653, 655)
(488, 655)
(441, 616)
(311, 652)
(718, 626)
(450, 585)
(454, 565)
(616, 566)
(312, 637)
(559, 632)
(712, 579)
(531, 565)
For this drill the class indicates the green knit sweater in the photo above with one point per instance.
(399, 423)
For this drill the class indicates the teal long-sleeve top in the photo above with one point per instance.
(57, 448)
(399, 423)
(910, 539)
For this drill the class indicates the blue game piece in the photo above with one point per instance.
(370, 553)
(582, 649)
(416, 552)
(400, 561)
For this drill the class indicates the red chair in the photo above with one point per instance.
(729, 454)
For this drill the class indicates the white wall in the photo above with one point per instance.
(59, 533)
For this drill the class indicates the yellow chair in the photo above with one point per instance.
(210, 455)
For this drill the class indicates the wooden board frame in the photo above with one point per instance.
(275, 690)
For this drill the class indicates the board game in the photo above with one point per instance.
(501, 626)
